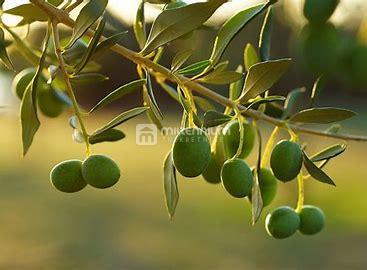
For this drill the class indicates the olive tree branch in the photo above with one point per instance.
(155, 68)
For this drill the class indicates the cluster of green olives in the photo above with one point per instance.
(98, 171)
(284, 221)
(51, 102)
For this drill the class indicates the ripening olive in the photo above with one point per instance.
(319, 12)
(282, 222)
(237, 177)
(191, 152)
(21, 81)
(312, 220)
(268, 186)
(212, 171)
(49, 104)
(67, 176)
(286, 160)
(231, 139)
(100, 171)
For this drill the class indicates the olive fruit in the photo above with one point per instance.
(282, 222)
(319, 12)
(286, 160)
(237, 177)
(100, 171)
(67, 176)
(49, 104)
(268, 186)
(21, 81)
(191, 152)
(312, 220)
(231, 139)
(212, 171)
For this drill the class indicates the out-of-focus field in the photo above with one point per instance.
(127, 227)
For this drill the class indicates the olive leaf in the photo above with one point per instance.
(223, 77)
(121, 118)
(29, 12)
(265, 36)
(334, 129)
(295, 101)
(231, 27)
(316, 172)
(262, 76)
(203, 104)
(55, 2)
(152, 113)
(28, 107)
(3, 53)
(111, 135)
(88, 78)
(188, 108)
(214, 118)
(108, 43)
(170, 185)
(317, 88)
(139, 25)
(324, 115)
(118, 93)
(265, 100)
(174, 23)
(73, 122)
(195, 68)
(170, 91)
(250, 56)
(330, 152)
(152, 100)
(91, 47)
(180, 58)
(235, 88)
(256, 197)
(87, 16)
(159, 1)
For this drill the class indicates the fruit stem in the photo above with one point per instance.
(269, 147)
(241, 130)
(69, 87)
(301, 192)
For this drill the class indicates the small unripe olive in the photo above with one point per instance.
(21, 81)
(312, 220)
(231, 139)
(286, 160)
(49, 104)
(237, 177)
(268, 186)
(212, 171)
(100, 171)
(319, 12)
(191, 152)
(282, 222)
(67, 176)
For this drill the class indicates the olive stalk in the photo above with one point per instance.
(69, 87)
(301, 192)
(241, 130)
(269, 147)
(62, 16)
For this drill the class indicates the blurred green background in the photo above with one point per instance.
(127, 227)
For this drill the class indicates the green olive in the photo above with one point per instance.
(21, 81)
(212, 171)
(312, 220)
(231, 139)
(237, 177)
(319, 12)
(100, 171)
(49, 104)
(286, 160)
(191, 152)
(282, 222)
(67, 176)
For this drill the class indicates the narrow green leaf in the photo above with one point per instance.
(91, 47)
(88, 78)
(170, 185)
(317, 88)
(174, 23)
(195, 68)
(139, 25)
(330, 152)
(3, 53)
(28, 107)
(266, 100)
(295, 101)
(29, 12)
(180, 58)
(170, 91)
(265, 36)
(118, 93)
(235, 88)
(231, 27)
(111, 135)
(152, 113)
(204, 104)
(214, 119)
(316, 172)
(108, 43)
(87, 16)
(323, 115)
(262, 76)
(158, 1)
(334, 129)
(224, 77)
(256, 197)
(153, 101)
(121, 118)
(250, 56)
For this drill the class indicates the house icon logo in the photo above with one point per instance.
(146, 134)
